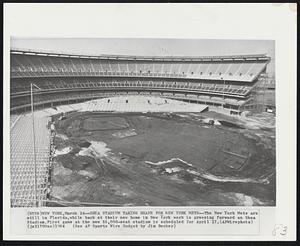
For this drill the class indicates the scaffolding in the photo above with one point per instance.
(256, 102)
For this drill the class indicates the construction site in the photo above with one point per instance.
(163, 159)
(137, 130)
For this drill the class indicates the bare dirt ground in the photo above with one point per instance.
(164, 160)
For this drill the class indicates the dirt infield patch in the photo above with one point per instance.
(105, 123)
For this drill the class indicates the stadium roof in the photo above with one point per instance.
(252, 57)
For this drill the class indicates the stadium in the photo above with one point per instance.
(116, 130)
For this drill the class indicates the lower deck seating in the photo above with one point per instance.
(134, 103)
(22, 161)
(57, 99)
(14, 119)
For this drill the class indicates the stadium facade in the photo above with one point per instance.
(225, 83)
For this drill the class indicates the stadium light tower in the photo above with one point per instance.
(34, 150)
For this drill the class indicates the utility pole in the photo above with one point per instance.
(223, 92)
(34, 150)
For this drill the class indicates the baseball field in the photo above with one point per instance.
(156, 159)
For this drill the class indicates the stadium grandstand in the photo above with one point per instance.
(219, 81)
(23, 179)
(64, 81)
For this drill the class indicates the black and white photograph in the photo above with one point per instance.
(142, 122)
(149, 122)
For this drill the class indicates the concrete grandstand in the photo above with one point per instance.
(72, 82)
(225, 82)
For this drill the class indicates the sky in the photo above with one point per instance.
(150, 47)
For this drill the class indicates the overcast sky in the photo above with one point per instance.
(155, 47)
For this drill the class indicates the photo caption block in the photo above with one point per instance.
(196, 221)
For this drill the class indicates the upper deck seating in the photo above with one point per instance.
(55, 66)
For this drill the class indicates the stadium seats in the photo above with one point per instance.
(82, 83)
(22, 162)
(51, 66)
(73, 80)
(133, 103)
(62, 77)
